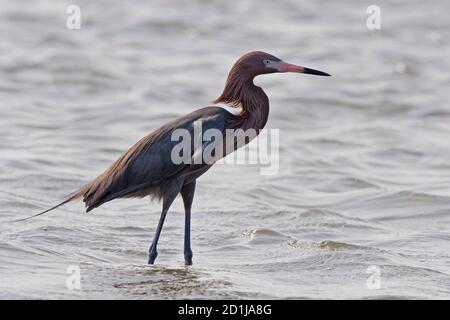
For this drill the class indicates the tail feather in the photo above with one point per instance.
(106, 197)
(70, 198)
(96, 193)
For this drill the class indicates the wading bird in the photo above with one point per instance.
(147, 168)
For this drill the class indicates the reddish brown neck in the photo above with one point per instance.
(241, 91)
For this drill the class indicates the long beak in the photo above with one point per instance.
(287, 67)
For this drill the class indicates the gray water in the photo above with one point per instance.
(364, 173)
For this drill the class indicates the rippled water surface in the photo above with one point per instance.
(364, 172)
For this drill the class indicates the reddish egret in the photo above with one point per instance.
(148, 169)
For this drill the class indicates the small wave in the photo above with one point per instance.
(412, 196)
(159, 281)
(333, 219)
(263, 233)
(326, 244)
(129, 229)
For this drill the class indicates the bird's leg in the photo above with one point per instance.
(169, 193)
(153, 253)
(187, 192)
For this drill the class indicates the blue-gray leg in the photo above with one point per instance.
(169, 192)
(187, 192)
(153, 253)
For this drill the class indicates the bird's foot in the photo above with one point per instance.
(152, 256)
(188, 258)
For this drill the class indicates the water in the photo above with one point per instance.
(364, 176)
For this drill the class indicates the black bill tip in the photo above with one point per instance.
(316, 72)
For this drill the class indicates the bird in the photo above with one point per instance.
(148, 169)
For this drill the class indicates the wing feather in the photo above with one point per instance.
(148, 162)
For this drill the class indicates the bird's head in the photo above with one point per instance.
(256, 63)
(239, 89)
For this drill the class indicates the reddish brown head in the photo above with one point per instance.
(240, 90)
(256, 63)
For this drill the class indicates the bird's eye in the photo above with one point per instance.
(266, 61)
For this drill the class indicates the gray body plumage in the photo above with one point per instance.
(147, 168)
